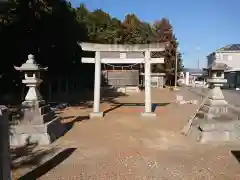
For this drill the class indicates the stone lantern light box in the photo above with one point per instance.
(216, 80)
(32, 78)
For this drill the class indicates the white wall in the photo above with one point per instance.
(232, 59)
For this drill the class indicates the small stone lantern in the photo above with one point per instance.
(216, 121)
(32, 78)
(216, 80)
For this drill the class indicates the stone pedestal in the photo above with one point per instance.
(148, 114)
(216, 130)
(96, 115)
(215, 105)
(216, 124)
(39, 125)
(210, 112)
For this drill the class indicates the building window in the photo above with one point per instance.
(225, 57)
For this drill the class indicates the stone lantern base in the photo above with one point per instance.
(215, 121)
(39, 124)
(215, 130)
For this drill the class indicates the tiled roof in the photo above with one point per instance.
(231, 47)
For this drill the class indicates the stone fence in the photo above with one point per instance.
(5, 159)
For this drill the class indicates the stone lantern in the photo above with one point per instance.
(39, 124)
(216, 81)
(32, 79)
(216, 120)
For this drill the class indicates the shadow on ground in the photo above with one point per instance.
(236, 154)
(116, 105)
(85, 99)
(69, 121)
(69, 124)
(28, 156)
(47, 166)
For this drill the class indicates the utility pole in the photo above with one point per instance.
(198, 62)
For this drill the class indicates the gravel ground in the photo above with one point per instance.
(125, 146)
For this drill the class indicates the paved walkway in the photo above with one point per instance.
(232, 96)
(125, 146)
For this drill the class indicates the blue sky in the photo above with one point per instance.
(198, 24)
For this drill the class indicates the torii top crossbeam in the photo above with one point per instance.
(123, 50)
(123, 47)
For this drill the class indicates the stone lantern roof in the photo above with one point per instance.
(30, 65)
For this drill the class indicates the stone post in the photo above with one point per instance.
(187, 78)
(97, 87)
(5, 160)
(148, 96)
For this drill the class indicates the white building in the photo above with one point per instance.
(229, 55)
(189, 76)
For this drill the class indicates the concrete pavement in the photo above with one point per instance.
(231, 96)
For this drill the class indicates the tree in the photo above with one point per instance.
(82, 13)
(164, 33)
(51, 31)
(20, 20)
(180, 62)
(132, 30)
(47, 29)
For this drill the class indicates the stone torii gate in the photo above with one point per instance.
(123, 59)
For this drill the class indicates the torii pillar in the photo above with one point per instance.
(148, 92)
(97, 87)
